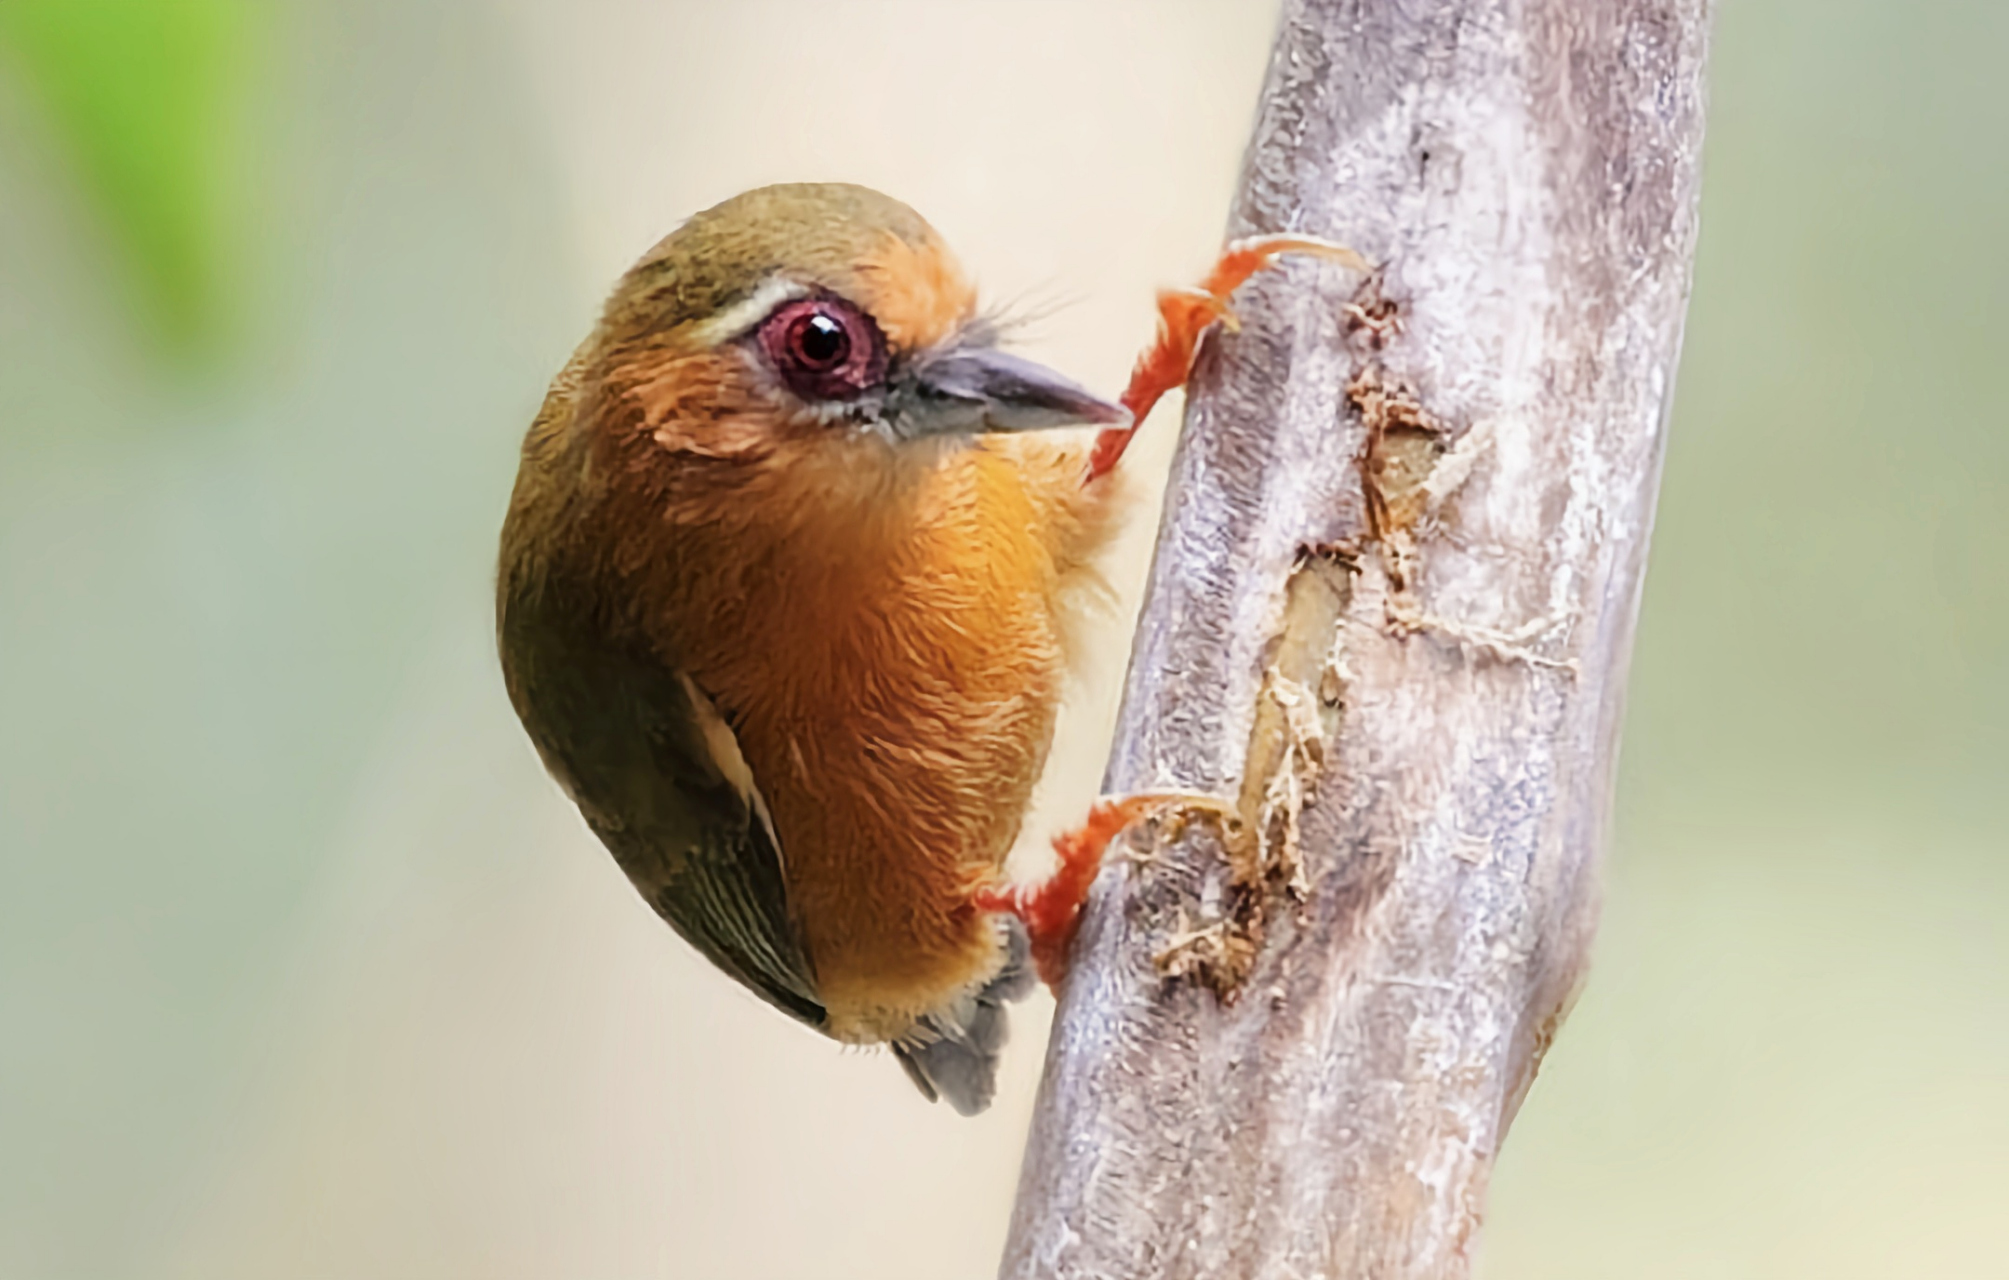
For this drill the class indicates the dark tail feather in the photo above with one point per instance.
(953, 1052)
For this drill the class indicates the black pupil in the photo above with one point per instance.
(822, 341)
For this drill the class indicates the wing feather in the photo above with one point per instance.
(657, 774)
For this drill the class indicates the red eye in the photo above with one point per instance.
(824, 349)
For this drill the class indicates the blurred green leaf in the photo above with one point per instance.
(148, 99)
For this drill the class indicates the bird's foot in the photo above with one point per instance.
(1184, 315)
(1051, 909)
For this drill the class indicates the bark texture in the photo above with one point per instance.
(1390, 618)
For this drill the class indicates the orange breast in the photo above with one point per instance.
(896, 712)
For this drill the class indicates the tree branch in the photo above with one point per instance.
(1389, 618)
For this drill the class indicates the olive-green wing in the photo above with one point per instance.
(658, 776)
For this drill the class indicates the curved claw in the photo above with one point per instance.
(1184, 315)
(1243, 258)
(1051, 909)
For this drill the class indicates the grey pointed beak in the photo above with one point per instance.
(971, 390)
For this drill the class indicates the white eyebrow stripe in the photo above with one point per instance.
(749, 311)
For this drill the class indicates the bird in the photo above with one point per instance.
(797, 562)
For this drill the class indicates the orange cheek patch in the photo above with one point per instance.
(918, 293)
(693, 404)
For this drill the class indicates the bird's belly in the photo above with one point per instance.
(896, 791)
(896, 710)
(895, 729)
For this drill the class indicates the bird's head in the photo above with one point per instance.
(813, 326)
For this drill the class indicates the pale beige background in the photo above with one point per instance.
(307, 971)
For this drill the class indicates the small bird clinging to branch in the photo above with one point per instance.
(788, 587)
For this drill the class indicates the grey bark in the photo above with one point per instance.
(1419, 725)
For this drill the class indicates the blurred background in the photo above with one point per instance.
(307, 971)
